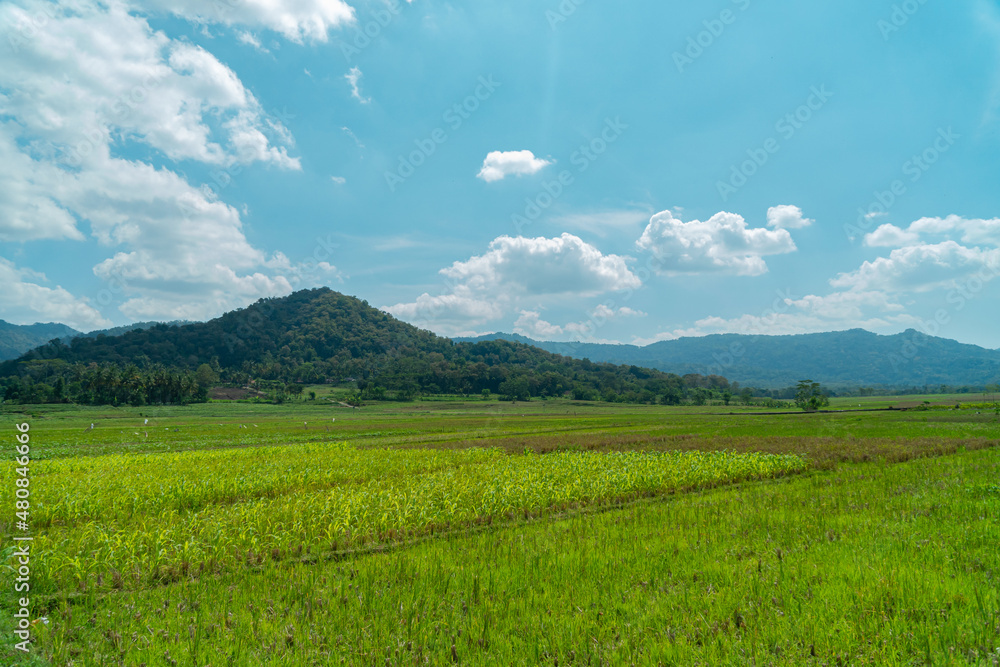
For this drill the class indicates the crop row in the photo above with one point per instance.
(478, 486)
(118, 488)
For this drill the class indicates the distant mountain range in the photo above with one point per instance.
(841, 359)
(16, 339)
(338, 334)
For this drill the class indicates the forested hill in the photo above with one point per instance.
(321, 335)
(855, 358)
(16, 339)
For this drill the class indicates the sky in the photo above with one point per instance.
(564, 169)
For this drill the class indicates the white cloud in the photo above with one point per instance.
(97, 78)
(919, 268)
(449, 314)
(250, 39)
(562, 265)
(531, 324)
(971, 231)
(890, 236)
(298, 21)
(606, 312)
(787, 217)
(514, 269)
(24, 301)
(92, 81)
(339, 180)
(498, 165)
(722, 244)
(354, 78)
(28, 210)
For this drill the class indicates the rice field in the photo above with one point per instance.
(134, 520)
(616, 537)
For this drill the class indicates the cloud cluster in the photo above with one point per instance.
(787, 217)
(24, 299)
(498, 165)
(514, 269)
(932, 255)
(722, 244)
(97, 83)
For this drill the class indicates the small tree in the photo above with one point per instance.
(205, 376)
(810, 397)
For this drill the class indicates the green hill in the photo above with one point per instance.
(320, 335)
(16, 339)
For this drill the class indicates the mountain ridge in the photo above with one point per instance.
(852, 357)
(17, 339)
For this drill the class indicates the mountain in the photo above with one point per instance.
(837, 359)
(320, 335)
(16, 339)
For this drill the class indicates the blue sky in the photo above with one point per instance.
(593, 171)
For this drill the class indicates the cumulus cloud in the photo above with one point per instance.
(354, 78)
(498, 165)
(98, 78)
(28, 210)
(24, 301)
(890, 236)
(531, 324)
(971, 231)
(562, 265)
(722, 244)
(787, 217)
(919, 268)
(101, 77)
(486, 287)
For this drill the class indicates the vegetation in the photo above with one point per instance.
(107, 384)
(483, 533)
(809, 396)
(321, 336)
(134, 520)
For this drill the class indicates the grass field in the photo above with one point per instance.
(486, 533)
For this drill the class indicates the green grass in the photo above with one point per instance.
(537, 424)
(883, 553)
(872, 564)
